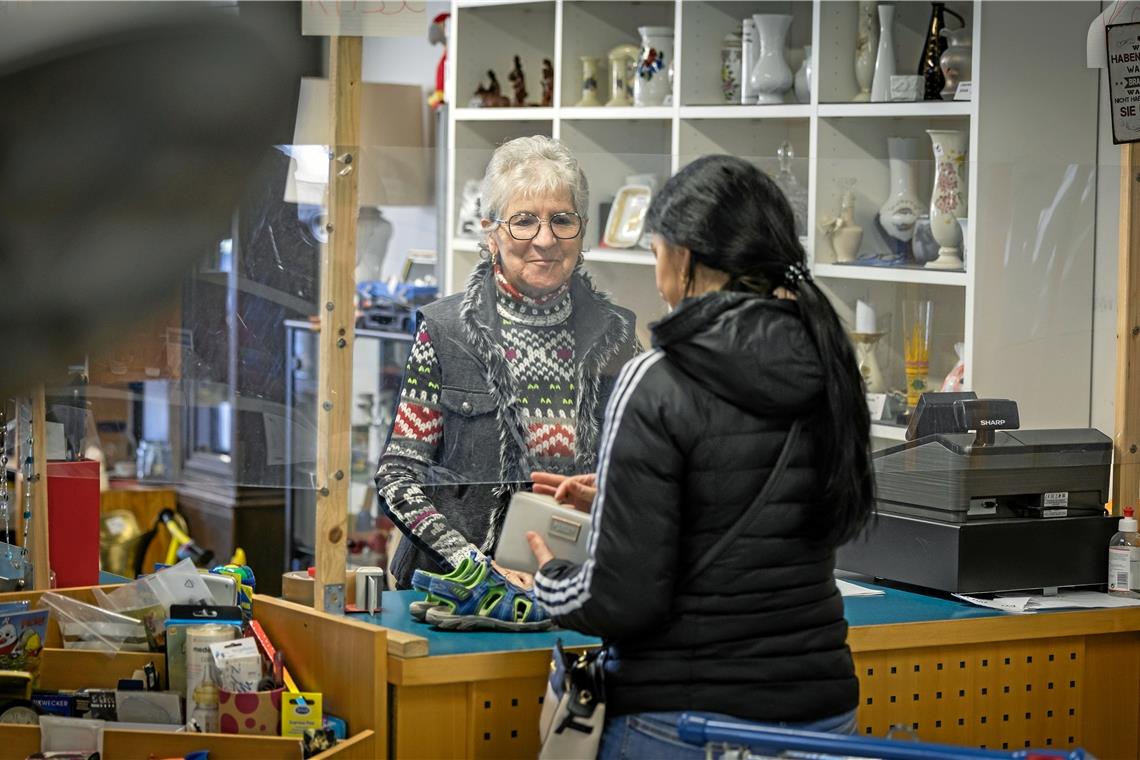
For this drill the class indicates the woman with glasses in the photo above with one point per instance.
(735, 459)
(508, 377)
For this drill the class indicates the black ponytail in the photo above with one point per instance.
(734, 219)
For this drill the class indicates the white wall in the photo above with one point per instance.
(1104, 284)
(406, 60)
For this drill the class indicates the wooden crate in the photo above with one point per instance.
(344, 660)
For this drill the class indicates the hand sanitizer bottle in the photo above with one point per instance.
(1124, 558)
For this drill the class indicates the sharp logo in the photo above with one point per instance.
(991, 423)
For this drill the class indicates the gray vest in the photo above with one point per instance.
(483, 456)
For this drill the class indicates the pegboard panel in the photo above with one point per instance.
(995, 696)
(504, 717)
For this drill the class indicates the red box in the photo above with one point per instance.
(73, 522)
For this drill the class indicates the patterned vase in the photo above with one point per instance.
(866, 41)
(948, 199)
(654, 83)
(589, 83)
(898, 215)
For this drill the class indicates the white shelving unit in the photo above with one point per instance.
(1022, 301)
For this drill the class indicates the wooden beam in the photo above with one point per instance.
(1126, 459)
(38, 532)
(338, 264)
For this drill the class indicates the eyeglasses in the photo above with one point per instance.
(525, 226)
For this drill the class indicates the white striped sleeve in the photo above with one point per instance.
(570, 593)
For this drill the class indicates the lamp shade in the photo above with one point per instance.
(394, 160)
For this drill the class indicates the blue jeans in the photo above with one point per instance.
(654, 735)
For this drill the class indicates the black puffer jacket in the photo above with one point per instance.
(691, 433)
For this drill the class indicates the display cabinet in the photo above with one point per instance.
(1018, 306)
(378, 367)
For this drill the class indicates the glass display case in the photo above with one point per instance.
(378, 366)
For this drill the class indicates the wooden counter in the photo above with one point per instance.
(945, 670)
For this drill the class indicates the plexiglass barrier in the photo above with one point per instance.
(217, 397)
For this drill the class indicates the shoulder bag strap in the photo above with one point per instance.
(753, 509)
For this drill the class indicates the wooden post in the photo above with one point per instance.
(38, 552)
(1126, 459)
(338, 264)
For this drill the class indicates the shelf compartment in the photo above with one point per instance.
(631, 113)
(704, 25)
(489, 36)
(921, 109)
(892, 274)
(838, 23)
(638, 256)
(504, 114)
(609, 152)
(857, 148)
(592, 28)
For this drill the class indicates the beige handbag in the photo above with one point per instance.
(574, 708)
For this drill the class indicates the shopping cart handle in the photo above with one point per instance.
(775, 740)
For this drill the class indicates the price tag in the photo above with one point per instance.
(965, 91)
(876, 404)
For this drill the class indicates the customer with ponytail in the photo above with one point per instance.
(752, 378)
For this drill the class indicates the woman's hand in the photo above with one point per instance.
(578, 491)
(539, 548)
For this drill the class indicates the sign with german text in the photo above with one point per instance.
(364, 18)
(1124, 81)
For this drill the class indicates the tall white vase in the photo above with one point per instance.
(885, 58)
(898, 215)
(771, 76)
(866, 41)
(948, 199)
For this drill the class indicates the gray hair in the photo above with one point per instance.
(532, 167)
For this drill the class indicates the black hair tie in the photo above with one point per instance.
(795, 273)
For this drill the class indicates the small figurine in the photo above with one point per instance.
(547, 83)
(437, 35)
(489, 96)
(518, 81)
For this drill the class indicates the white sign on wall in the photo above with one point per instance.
(364, 18)
(1124, 81)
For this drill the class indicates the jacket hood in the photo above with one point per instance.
(753, 351)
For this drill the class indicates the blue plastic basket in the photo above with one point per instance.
(770, 741)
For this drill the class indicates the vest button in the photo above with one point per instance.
(465, 407)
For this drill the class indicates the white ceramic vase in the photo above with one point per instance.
(654, 83)
(948, 199)
(803, 78)
(866, 42)
(899, 213)
(771, 76)
(885, 58)
(589, 83)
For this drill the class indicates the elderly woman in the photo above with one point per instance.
(510, 376)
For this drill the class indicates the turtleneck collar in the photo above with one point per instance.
(512, 305)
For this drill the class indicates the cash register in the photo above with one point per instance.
(970, 503)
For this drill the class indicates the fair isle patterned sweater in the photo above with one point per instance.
(539, 347)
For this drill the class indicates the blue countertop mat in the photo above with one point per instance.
(899, 606)
(895, 606)
(395, 615)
